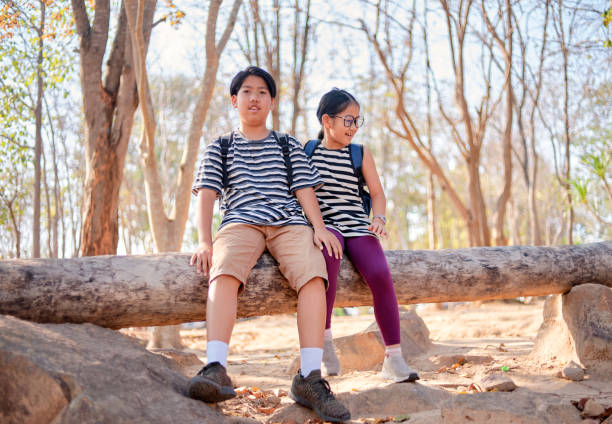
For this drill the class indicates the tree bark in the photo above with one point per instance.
(38, 137)
(505, 46)
(109, 104)
(162, 289)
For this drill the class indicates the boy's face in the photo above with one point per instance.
(253, 101)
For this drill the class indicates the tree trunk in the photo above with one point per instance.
(38, 137)
(300, 53)
(431, 188)
(502, 200)
(125, 291)
(109, 107)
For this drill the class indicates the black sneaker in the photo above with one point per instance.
(211, 384)
(314, 392)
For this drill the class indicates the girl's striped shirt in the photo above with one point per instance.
(338, 197)
(258, 191)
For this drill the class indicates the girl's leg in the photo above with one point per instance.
(333, 265)
(367, 255)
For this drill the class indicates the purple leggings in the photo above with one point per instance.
(367, 255)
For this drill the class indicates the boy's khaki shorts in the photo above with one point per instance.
(237, 247)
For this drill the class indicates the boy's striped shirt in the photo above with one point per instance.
(257, 191)
(338, 197)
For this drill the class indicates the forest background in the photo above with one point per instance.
(489, 120)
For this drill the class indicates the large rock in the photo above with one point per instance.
(366, 350)
(394, 399)
(27, 392)
(414, 334)
(578, 326)
(425, 405)
(81, 373)
(501, 407)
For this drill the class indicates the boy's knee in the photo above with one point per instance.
(225, 283)
(314, 284)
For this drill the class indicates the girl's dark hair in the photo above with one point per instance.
(258, 72)
(332, 103)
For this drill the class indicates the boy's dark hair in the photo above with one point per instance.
(332, 103)
(258, 72)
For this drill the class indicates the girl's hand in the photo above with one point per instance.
(324, 237)
(378, 227)
(202, 258)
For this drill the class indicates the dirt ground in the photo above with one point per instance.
(489, 335)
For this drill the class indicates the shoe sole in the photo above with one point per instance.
(206, 390)
(307, 404)
(410, 379)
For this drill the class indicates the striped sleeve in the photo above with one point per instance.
(210, 174)
(304, 173)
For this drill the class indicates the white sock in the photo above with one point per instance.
(391, 351)
(328, 334)
(310, 360)
(216, 351)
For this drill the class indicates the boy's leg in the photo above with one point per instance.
(311, 313)
(303, 266)
(235, 251)
(221, 305)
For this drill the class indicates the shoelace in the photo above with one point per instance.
(327, 389)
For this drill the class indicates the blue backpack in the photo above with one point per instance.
(356, 154)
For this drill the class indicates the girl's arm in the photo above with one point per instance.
(379, 201)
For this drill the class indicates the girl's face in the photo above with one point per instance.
(340, 128)
(253, 101)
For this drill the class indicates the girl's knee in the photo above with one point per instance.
(379, 279)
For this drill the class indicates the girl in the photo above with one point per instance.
(344, 215)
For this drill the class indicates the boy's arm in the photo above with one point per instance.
(202, 258)
(322, 236)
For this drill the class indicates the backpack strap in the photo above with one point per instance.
(284, 144)
(311, 146)
(225, 143)
(356, 153)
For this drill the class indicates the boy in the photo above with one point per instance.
(259, 178)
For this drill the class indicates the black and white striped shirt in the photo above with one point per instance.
(257, 191)
(339, 199)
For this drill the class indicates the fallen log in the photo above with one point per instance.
(162, 289)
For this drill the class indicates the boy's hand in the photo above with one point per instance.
(324, 237)
(378, 227)
(202, 258)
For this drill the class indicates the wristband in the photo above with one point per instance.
(381, 217)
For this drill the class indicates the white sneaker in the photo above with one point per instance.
(396, 369)
(331, 363)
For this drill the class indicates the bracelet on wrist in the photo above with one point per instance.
(381, 217)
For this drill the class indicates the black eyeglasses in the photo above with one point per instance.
(348, 120)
